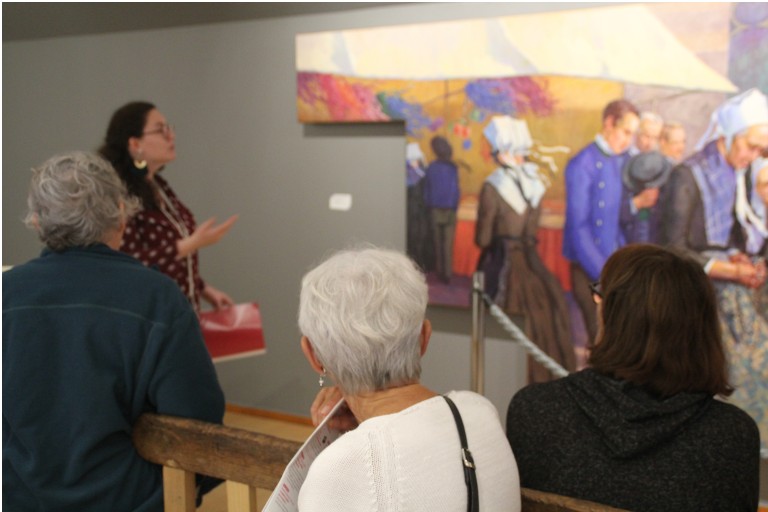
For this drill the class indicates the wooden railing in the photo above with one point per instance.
(249, 460)
(246, 460)
(537, 501)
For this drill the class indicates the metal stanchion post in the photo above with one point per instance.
(477, 360)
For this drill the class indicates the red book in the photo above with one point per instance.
(233, 332)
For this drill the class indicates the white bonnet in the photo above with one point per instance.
(749, 108)
(508, 135)
(413, 152)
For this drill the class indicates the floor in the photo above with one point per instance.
(216, 500)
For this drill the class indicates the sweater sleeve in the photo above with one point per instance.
(680, 198)
(182, 379)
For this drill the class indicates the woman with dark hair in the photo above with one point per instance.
(643, 417)
(139, 143)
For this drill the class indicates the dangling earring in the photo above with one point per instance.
(139, 163)
(321, 380)
(140, 167)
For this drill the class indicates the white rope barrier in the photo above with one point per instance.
(520, 338)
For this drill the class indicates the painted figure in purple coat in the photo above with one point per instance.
(593, 203)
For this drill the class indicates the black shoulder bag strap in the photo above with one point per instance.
(466, 457)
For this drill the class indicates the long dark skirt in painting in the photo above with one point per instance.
(519, 282)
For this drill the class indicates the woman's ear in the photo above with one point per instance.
(134, 147)
(309, 353)
(426, 333)
(35, 222)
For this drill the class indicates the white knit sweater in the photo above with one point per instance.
(411, 461)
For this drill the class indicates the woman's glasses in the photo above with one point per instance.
(165, 129)
(597, 290)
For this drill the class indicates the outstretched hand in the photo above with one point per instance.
(206, 234)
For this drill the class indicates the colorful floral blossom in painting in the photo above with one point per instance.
(335, 98)
(510, 96)
(398, 108)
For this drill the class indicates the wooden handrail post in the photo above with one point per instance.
(240, 497)
(178, 490)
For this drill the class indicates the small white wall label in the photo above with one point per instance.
(340, 202)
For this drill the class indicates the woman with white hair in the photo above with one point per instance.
(92, 339)
(362, 317)
(707, 213)
(507, 223)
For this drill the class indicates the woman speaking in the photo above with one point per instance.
(163, 234)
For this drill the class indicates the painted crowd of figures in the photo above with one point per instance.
(632, 184)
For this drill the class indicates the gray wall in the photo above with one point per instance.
(229, 88)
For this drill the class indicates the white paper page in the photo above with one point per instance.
(285, 497)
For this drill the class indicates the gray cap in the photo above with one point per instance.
(646, 170)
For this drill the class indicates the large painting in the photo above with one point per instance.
(556, 71)
(498, 110)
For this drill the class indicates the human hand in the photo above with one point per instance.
(646, 199)
(762, 272)
(739, 257)
(216, 298)
(208, 234)
(749, 275)
(325, 400)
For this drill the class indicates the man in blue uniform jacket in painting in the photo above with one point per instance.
(593, 201)
(91, 340)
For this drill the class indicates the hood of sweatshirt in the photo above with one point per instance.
(631, 419)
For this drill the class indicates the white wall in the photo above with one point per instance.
(230, 90)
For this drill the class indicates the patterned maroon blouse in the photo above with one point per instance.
(151, 237)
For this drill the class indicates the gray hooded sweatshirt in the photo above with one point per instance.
(601, 439)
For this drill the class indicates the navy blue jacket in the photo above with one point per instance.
(441, 185)
(91, 340)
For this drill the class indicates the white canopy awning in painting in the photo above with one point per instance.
(620, 43)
